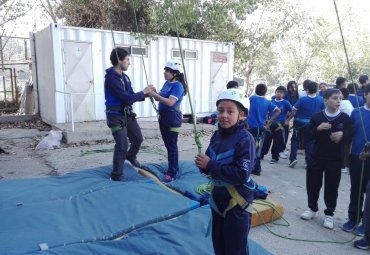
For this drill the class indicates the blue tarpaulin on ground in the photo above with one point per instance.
(86, 213)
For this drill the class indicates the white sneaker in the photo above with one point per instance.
(308, 214)
(283, 155)
(345, 170)
(329, 222)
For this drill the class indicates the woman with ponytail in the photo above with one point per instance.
(170, 115)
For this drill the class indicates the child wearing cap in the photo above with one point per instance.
(229, 161)
(170, 115)
(330, 131)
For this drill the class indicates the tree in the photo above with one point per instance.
(50, 8)
(10, 10)
(110, 14)
(269, 22)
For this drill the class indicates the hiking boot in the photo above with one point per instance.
(134, 162)
(117, 179)
(329, 222)
(273, 161)
(293, 163)
(349, 226)
(362, 244)
(360, 231)
(308, 215)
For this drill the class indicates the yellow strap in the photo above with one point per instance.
(115, 128)
(237, 199)
(175, 129)
(280, 127)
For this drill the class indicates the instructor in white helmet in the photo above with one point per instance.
(170, 115)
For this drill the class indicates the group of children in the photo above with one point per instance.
(234, 153)
(330, 130)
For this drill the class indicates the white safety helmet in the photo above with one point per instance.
(236, 95)
(174, 65)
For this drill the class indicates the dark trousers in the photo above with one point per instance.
(230, 234)
(331, 170)
(120, 134)
(366, 219)
(355, 168)
(168, 123)
(286, 136)
(308, 145)
(258, 136)
(277, 138)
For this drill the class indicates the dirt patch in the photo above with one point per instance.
(28, 124)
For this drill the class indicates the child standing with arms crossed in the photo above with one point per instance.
(229, 161)
(170, 115)
(330, 130)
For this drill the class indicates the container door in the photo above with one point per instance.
(219, 76)
(79, 80)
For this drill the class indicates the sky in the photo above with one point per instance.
(35, 21)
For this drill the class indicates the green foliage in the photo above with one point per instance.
(274, 40)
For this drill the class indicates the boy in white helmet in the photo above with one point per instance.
(170, 115)
(229, 161)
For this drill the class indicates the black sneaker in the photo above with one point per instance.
(362, 244)
(117, 179)
(360, 231)
(273, 161)
(293, 163)
(349, 226)
(134, 162)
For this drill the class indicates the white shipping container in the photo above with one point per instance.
(69, 66)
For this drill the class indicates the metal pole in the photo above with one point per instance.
(72, 117)
(2, 70)
(25, 50)
(15, 86)
(12, 83)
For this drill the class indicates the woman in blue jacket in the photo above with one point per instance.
(170, 115)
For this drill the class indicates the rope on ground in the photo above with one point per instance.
(206, 188)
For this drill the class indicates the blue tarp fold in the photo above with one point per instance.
(83, 212)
